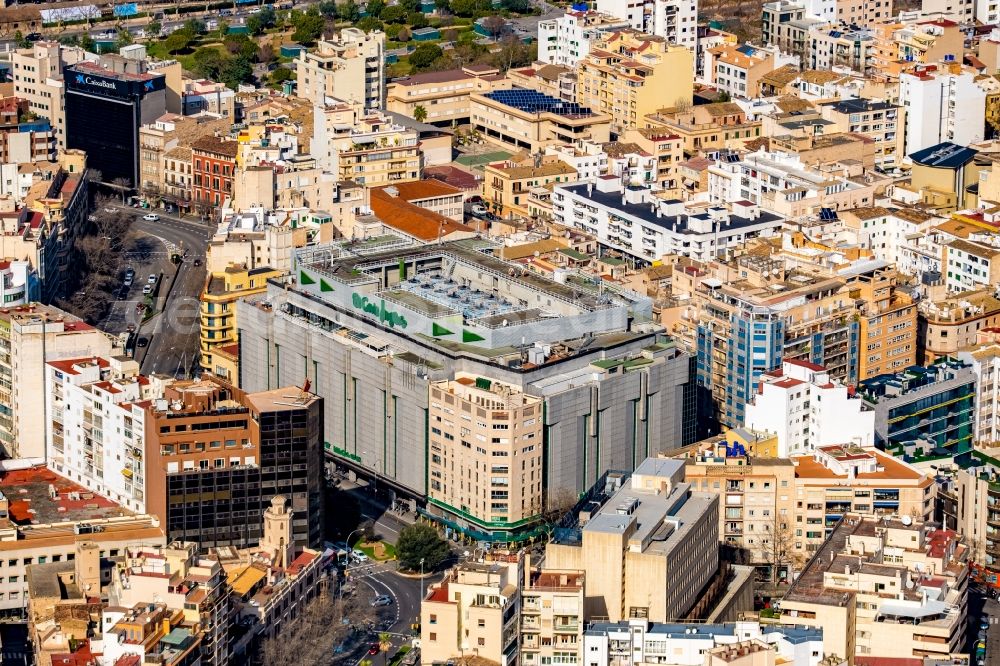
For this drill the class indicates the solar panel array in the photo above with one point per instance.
(532, 101)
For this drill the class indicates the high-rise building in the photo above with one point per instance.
(349, 67)
(104, 110)
(649, 551)
(31, 335)
(566, 40)
(676, 22)
(376, 326)
(38, 78)
(552, 620)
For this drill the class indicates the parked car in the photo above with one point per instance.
(147, 289)
(142, 342)
(373, 650)
(359, 556)
(382, 600)
(479, 209)
(151, 279)
(151, 217)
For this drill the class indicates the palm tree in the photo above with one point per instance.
(419, 114)
(384, 645)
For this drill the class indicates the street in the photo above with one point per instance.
(170, 337)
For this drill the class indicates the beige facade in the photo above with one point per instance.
(514, 129)
(473, 613)
(30, 335)
(630, 573)
(552, 618)
(881, 122)
(629, 74)
(485, 451)
(507, 186)
(160, 139)
(350, 67)
(947, 326)
(884, 588)
(37, 73)
(706, 127)
(367, 148)
(442, 96)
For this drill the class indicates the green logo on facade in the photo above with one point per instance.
(378, 310)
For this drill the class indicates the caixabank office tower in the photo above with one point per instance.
(104, 110)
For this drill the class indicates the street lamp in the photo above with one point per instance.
(340, 590)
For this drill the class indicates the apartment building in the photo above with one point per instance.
(475, 610)
(499, 429)
(779, 510)
(370, 149)
(888, 331)
(924, 412)
(662, 150)
(217, 323)
(655, 528)
(880, 121)
(737, 70)
(645, 226)
(639, 641)
(37, 73)
(744, 317)
(676, 22)
(628, 75)
(214, 167)
(949, 325)
(150, 632)
(30, 336)
(46, 517)
(350, 66)
(552, 619)
(887, 233)
(238, 450)
(781, 183)
(175, 581)
(841, 45)
(442, 96)
(942, 103)
(969, 502)
(567, 40)
(807, 410)
(984, 361)
(162, 141)
(884, 588)
(716, 126)
(204, 96)
(523, 119)
(509, 187)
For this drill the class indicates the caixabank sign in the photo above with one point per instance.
(106, 86)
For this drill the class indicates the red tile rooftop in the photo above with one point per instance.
(300, 563)
(439, 594)
(557, 580)
(888, 661)
(788, 383)
(805, 364)
(66, 365)
(82, 656)
(27, 491)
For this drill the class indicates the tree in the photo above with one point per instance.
(442, 5)
(208, 63)
(424, 55)
(21, 41)
(404, 34)
(723, 96)
(369, 24)
(123, 185)
(328, 8)
(268, 17)
(449, 35)
(177, 41)
(124, 39)
(194, 26)
(153, 29)
(308, 26)
(494, 25)
(417, 20)
(237, 70)
(464, 8)
(421, 542)
(516, 6)
(419, 113)
(393, 14)
(348, 11)
(280, 75)
(384, 645)
(265, 53)
(778, 544)
(87, 43)
(255, 25)
(375, 8)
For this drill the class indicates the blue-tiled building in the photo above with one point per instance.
(924, 412)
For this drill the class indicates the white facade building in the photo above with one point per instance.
(586, 157)
(941, 106)
(635, 221)
(808, 410)
(889, 232)
(19, 283)
(674, 20)
(94, 430)
(566, 40)
(640, 642)
(985, 363)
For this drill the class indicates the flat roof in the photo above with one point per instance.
(532, 101)
(30, 500)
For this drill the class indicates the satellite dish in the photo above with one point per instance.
(906, 520)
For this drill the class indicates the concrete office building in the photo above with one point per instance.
(649, 551)
(37, 73)
(376, 326)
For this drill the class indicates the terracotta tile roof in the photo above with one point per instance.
(216, 146)
(413, 220)
(422, 189)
